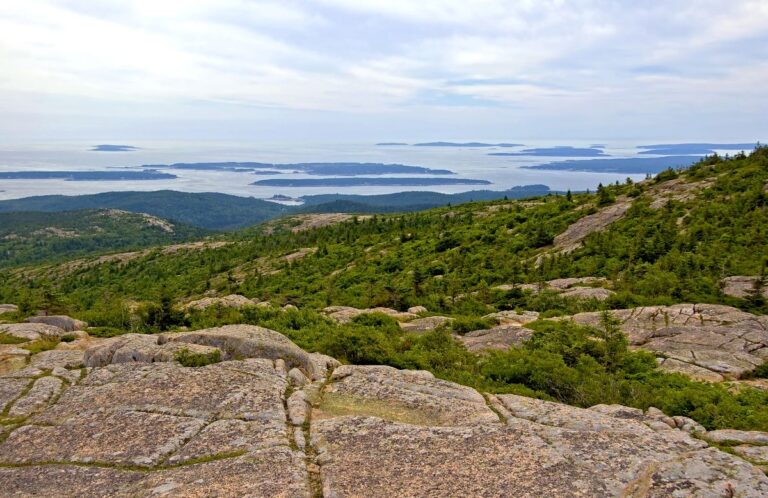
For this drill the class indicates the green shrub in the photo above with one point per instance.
(68, 338)
(189, 359)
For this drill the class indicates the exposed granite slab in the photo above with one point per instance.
(42, 392)
(425, 324)
(10, 389)
(31, 331)
(724, 341)
(501, 337)
(407, 395)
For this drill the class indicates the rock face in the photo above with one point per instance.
(8, 308)
(31, 331)
(345, 314)
(253, 425)
(742, 286)
(231, 301)
(705, 341)
(576, 288)
(501, 337)
(571, 238)
(425, 324)
(66, 323)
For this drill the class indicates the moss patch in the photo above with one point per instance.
(340, 405)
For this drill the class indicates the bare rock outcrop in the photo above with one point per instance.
(253, 426)
(8, 308)
(575, 287)
(66, 323)
(231, 301)
(345, 314)
(705, 341)
(425, 324)
(31, 331)
(742, 286)
(501, 337)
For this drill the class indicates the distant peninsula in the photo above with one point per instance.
(464, 144)
(559, 151)
(86, 176)
(319, 169)
(362, 182)
(391, 143)
(113, 148)
(632, 165)
(691, 148)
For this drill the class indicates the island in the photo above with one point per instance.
(464, 144)
(113, 148)
(631, 165)
(558, 151)
(319, 169)
(366, 181)
(691, 148)
(87, 176)
(391, 143)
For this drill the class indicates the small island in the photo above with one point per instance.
(319, 169)
(464, 144)
(113, 148)
(631, 165)
(87, 176)
(559, 151)
(391, 143)
(691, 148)
(366, 181)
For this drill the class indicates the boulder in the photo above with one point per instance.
(513, 317)
(742, 286)
(136, 348)
(417, 310)
(734, 436)
(31, 331)
(597, 293)
(231, 301)
(345, 314)
(705, 341)
(426, 324)
(502, 337)
(66, 323)
(8, 308)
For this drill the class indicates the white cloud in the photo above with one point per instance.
(371, 56)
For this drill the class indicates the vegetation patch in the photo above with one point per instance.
(11, 339)
(190, 359)
(41, 345)
(340, 404)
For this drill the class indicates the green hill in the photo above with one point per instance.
(668, 240)
(31, 237)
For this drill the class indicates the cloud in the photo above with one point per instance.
(542, 59)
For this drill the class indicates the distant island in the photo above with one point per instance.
(464, 144)
(320, 169)
(391, 143)
(632, 165)
(362, 182)
(113, 148)
(559, 151)
(692, 148)
(87, 176)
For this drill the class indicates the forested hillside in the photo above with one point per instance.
(676, 238)
(31, 237)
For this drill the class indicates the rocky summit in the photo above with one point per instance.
(123, 417)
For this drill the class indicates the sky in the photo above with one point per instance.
(359, 70)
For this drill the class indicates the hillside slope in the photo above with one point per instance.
(31, 237)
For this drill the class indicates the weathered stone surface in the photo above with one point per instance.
(8, 308)
(136, 348)
(734, 436)
(248, 341)
(425, 324)
(417, 309)
(231, 301)
(405, 395)
(60, 358)
(277, 471)
(502, 337)
(693, 371)
(298, 408)
(31, 331)
(10, 389)
(297, 378)
(757, 454)
(345, 314)
(571, 238)
(588, 293)
(724, 341)
(513, 317)
(43, 391)
(120, 437)
(741, 286)
(66, 323)
(537, 460)
(65, 481)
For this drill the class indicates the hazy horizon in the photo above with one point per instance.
(368, 71)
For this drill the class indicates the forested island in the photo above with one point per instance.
(361, 182)
(630, 165)
(320, 169)
(87, 176)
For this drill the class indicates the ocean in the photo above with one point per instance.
(467, 162)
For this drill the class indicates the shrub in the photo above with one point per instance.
(189, 359)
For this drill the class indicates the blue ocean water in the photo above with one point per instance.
(468, 162)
